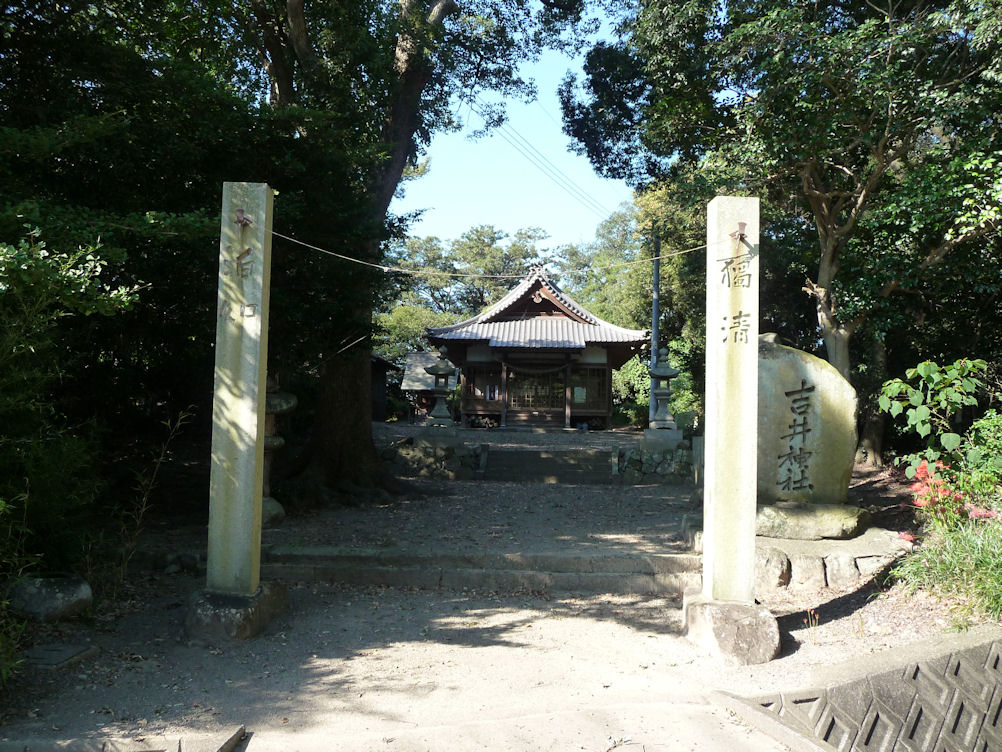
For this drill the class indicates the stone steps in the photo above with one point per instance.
(660, 574)
(566, 466)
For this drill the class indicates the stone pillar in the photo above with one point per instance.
(238, 420)
(238, 416)
(723, 617)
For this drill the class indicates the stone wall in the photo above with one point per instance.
(813, 564)
(660, 465)
(434, 458)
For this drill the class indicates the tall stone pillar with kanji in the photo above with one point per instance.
(723, 617)
(234, 604)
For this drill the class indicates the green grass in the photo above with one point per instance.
(963, 563)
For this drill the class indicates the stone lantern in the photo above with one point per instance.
(442, 369)
(276, 403)
(661, 376)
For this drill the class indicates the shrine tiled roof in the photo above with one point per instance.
(574, 331)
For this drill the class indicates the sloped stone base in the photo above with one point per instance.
(739, 634)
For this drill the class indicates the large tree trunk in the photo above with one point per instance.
(836, 339)
(871, 439)
(343, 448)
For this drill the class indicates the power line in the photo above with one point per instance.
(553, 172)
(541, 162)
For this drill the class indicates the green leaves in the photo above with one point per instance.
(875, 124)
(950, 441)
(930, 400)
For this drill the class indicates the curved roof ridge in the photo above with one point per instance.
(510, 298)
(536, 274)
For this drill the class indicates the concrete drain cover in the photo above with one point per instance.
(57, 656)
(950, 702)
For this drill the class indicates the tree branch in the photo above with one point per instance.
(413, 74)
(299, 33)
(937, 254)
(441, 10)
(275, 54)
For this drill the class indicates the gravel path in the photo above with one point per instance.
(477, 516)
(376, 668)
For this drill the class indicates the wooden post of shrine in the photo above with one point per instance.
(568, 393)
(504, 393)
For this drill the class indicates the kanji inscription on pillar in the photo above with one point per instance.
(236, 474)
(730, 477)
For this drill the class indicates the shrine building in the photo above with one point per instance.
(536, 357)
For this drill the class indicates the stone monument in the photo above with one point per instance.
(723, 618)
(807, 428)
(234, 603)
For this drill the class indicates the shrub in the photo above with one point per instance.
(48, 469)
(979, 472)
(959, 503)
(630, 414)
(631, 383)
(930, 398)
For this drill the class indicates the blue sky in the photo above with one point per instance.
(488, 181)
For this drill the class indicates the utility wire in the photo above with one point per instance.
(386, 268)
(541, 162)
(577, 188)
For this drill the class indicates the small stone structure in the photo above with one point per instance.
(221, 617)
(806, 427)
(663, 426)
(50, 598)
(276, 403)
(427, 457)
(441, 370)
(810, 521)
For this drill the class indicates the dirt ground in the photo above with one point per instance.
(377, 664)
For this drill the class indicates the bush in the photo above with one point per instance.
(959, 503)
(930, 398)
(979, 471)
(630, 414)
(631, 383)
(48, 469)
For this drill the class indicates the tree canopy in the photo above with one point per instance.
(836, 110)
(122, 119)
